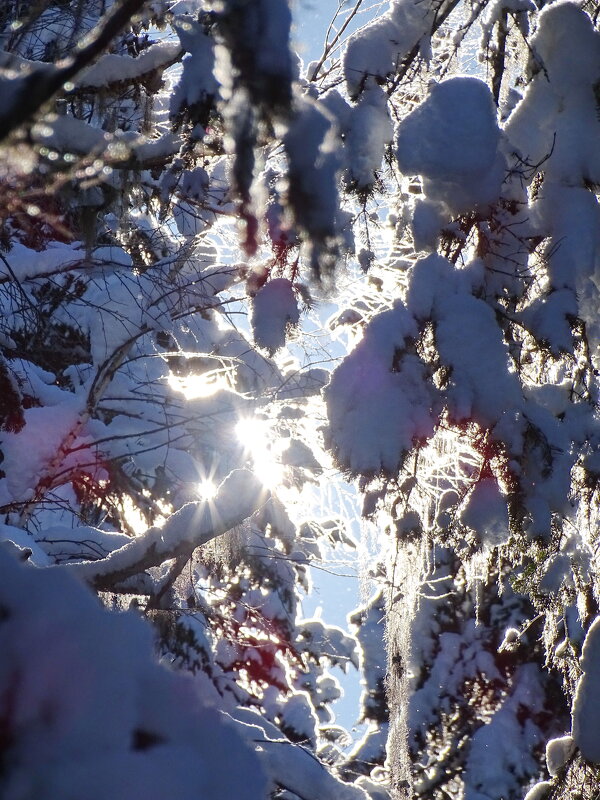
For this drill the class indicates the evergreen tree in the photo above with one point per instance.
(178, 189)
(126, 376)
(473, 389)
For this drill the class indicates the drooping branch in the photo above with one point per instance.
(499, 60)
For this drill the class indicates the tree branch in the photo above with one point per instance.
(40, 85)
(238, 497)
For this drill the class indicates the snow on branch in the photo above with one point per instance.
(112, 68)
(293, 767)
(238, 497)
(29, 92)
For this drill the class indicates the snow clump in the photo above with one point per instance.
(586, 728)
(452, 140)
(274, 311)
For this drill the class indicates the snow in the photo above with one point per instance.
(370, 749)
(368, 622)
(297, 720)
(376, 51)
(274, 312)
(197, 84)
(560, 104)
(24, 541)
(112, 68)
(558, 752)
(299, 455)
(428, 219)
(79, 543)
(539, 791)
(481, 386)
(586, 723)
(302, 383)
(469, 341)
(92, 714)
(463, 348)
(501, 752)
(328, 640)
(23, 262)
(485, 511)
(67, 134)
(457, 154)
(368, 131)
(493, 14)
(32, 451)
(549, 318)
(311, 148)
(273, 21)
(377, 408)
(293, 767)
(237, 498)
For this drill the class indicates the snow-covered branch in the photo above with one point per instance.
(238, 497)
(28, 93)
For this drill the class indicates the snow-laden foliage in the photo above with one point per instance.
(143, 415)
(468, 404)
(177, 191)
(86, 711)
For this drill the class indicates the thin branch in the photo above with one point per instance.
(42, 84)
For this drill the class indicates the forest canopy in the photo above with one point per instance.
(229, 282)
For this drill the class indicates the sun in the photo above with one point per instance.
(261, 444)
(207, 489)
(263, 447)
(204, 385)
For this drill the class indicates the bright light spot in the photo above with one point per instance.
(204, 385)
(207, 489)
(264, 448)
(135, 520)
